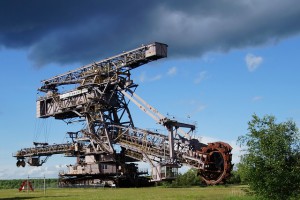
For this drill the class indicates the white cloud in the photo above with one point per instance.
(253, 62)
(200, 107)
(172, 71)
(208, 58)
(195, 105)
(145, 78)
(155, 78)
(142, 77)
(257, 98)
(200, 77)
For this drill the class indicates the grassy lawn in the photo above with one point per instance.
(154, 193)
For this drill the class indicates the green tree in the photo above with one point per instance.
(189, 178)
(271, 165)
(235, 178)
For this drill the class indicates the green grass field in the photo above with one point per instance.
(154, 193)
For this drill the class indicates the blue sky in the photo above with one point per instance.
(217, 86)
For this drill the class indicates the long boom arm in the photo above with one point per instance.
(122, 62)
(156, 115)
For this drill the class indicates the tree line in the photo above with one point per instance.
(36, 183)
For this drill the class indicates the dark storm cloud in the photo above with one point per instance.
(80, 31)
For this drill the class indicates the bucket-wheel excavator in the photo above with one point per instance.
(108, 145)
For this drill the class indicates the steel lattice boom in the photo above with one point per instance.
(119, 63)
(100, 96)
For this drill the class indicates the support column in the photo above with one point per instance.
(171, 143)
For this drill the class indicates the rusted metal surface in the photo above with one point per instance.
(218, 165)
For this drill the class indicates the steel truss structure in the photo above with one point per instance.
(101, 94)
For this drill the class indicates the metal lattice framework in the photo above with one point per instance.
(102, 91)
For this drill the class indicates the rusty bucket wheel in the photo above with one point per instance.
(218, 163)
